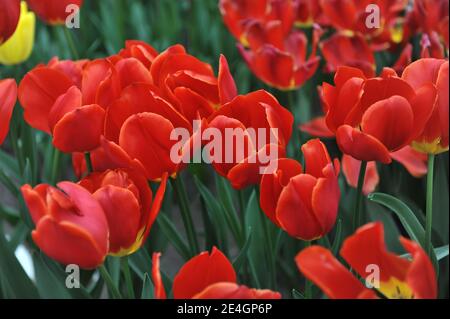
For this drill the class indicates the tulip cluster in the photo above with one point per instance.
(117, 119)
(272, 34)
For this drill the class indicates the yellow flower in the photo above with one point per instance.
(17, 49)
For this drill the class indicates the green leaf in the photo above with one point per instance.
(173, 235)
(440, 252)
(297, 294)
(15, 282)
(243, 255)
(408, 219)
(337, 238)
(147, 287)
(51, 280)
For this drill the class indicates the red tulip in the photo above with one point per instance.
(140, 50)
(351, 16)
(53, 11)
(127, 202)
(308, 13)
(207, 276)
(8, 97)
(239, 14)
(303, 203)
(342, 50)
(278, 60)
(421, 75)
(71, 226)
(9, 18)
(430, 16)
(248, 115)
(190, 84)
(364, 113)
(398, 276)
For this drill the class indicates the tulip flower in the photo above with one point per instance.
(365, 113)
(19, 45)
(127, 202)
(9, 18)
(303, 203)
(253, 117)
(399, 277)
(207, 276)
(420, 75)
(280, 61)
(239, 14)
(430, 17)
(140, 50)
(8, 97)
(342, 50)
(71, 226)
(53, 12)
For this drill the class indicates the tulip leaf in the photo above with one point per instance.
(406, 216)
(440, 252)
(214, 210)
(15, 281)
(242, 257)
(337, 237)
(297, 294)
(173, 235)
(147, 287)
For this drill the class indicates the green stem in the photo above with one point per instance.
(270, 253)
(308, 283)
(109, 282)
(128, 280)
(359, 196)
(71, 44)
(87, 157)
(429, 207)
(242, 211)
(183, 203)
(55, 166)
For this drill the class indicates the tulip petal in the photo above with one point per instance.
(272, 185)
(351, 168)
(381, 122)
(229, 290)
(8, 97)
(71, 134)
(414, 161)
(227, 86)
(160, 292)
(202, 271)
(322, 268)
(361, 146)
(38, 91)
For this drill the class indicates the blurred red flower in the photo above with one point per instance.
(303, 203)
(207, 276)
(9, 18)
(53, 12)
(8, 97)
(399, 277)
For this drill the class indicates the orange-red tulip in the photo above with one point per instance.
(9, 18)
(207, 276)
(8, 97)
(399, 278)
(255, 111)
(71, 226)
(238, 15)
(303, 203)
(342, 50)
(127, 202)
(365, 113)
(278, 60)
(421, 75)
(53, 11)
